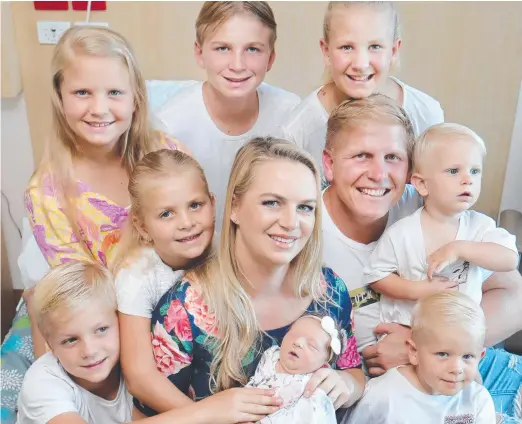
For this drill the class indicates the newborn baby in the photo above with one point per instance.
(311, 343)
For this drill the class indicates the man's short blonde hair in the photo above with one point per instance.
(67, 288)
(444, 132)
(374, 108)
(448, 310)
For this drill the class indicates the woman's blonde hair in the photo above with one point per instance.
(138, 140)
(374, 108)
(448, 310)
(152, 169)
(214, 13)
(221, 278)
(69, 287)
(382, 6)
(438, 133)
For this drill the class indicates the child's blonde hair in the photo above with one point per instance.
(152, 169)
(444, 132)
(221, 277)
(214, 13)
(383, 6)
(448, 310)
(138, 140)
(374, 108)
(69, 287)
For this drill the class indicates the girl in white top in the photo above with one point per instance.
(235, 46)
(448, 333)
(170, 229)
(360, 47)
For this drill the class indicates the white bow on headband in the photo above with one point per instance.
(329, 326)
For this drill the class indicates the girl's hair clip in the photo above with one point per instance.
(328, 325)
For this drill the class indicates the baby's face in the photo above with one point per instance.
(453, 174)
(305, 347)
(446, 361)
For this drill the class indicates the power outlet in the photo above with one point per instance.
(49, 32)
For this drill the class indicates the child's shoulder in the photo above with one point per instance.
(309, 111)
(414, 96)
(279, 96)
(46, 371)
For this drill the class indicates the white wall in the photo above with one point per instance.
(512, 191)
(17, 167)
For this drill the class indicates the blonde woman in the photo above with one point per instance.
(210, 330)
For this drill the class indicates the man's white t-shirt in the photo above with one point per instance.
(306, 125)
(392, 399)
(140, 286)
(401, 249)
(186, 118)
(348, 258)
(48, 391)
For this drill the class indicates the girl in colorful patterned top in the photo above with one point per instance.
(77, 199)
(170, 229)
(210, 329)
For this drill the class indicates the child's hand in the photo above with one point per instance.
(442, 257)
(437, 285)
(241, 405)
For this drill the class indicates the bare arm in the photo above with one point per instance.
(488, 255)
(501, 300)
(355, 375)
(67, 418)
(145, 381)
(399, 288)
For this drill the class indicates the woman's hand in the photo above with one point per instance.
(240, 405)
(389, 352)
(339, 387)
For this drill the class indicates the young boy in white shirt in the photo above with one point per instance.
(447, 343)
(443, 245)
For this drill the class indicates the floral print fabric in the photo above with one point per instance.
(183, 330)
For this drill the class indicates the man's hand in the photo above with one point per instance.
(390, 352)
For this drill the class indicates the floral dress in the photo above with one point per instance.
(182, 331)
(99, 220)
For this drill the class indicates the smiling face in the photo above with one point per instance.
(237, 55)
(98, 100)
(368, 167)
(360, 48)
(86, 342)
(276, 216)
(177, 214)
(446, 360)
(305, 348)
(450, 178)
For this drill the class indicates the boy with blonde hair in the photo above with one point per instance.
(446, 345)
(443, 245)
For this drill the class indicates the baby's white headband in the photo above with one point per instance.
(328, 325)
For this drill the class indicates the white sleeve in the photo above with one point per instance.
(133, 289)
(43, 396)
(383, 260)
(489, 232)
(485, 408)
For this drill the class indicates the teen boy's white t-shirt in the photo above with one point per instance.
(347, 258)
(48, 391)
(401, 249)
(306, 125)
(185, 117)
(392, 399)
(140, 286)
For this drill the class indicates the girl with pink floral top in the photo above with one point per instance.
(77, 199)
(211, 327)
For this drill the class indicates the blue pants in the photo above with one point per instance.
(502, 375)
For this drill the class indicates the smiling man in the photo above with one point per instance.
(367, 161)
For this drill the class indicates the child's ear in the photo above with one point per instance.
(234, 210)
(140, 228)
(412, 352)
(198, 54)
(325, 51)
(271, 60)
(418, 181)
(483, 353)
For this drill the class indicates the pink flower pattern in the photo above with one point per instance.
(169, 358)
